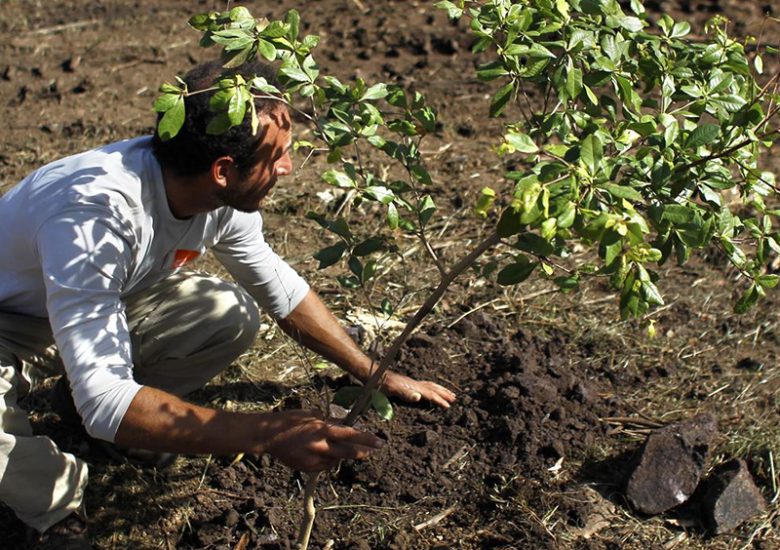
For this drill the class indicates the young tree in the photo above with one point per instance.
(633, 140)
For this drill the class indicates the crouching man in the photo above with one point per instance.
(91, 286)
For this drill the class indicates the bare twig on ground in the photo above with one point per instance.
(438, 518)
(65, 27)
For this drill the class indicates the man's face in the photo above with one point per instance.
(247, 192)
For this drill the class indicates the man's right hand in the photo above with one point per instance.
(304, 441)
(159, 421)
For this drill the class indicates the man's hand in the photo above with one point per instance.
(304, 441)
(408, 389)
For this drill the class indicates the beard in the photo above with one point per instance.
(239, 199)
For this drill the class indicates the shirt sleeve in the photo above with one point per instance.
(271, 281)
(85, 264)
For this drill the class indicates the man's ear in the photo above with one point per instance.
(221, 170)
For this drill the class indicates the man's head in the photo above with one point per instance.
(244, 167)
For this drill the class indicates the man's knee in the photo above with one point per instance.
(230, 311)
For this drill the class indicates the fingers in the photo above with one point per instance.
(347, 451)
(351, 436)
(436, 394)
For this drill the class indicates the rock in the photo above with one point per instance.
(731, 497)
(671, 465)
(424, 438)
(231, 518)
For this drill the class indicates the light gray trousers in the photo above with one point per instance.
(184, 330)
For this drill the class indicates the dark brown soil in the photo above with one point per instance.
(523, 409)
(540, 377)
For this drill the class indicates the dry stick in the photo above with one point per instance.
(309, 510)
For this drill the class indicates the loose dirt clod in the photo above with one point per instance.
(731, 497)
(671, 465)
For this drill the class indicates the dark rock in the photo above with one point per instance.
(424, 438)
(231, 518)
(357, 333)
(731, 497)
(748, 363)
(671, 465)
(70, 64)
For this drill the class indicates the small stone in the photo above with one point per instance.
(731, 497)
(357, 333)
(424, 438)
(671, 465)
(231, 518)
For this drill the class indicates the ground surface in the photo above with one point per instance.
(556, 394)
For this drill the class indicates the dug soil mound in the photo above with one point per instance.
(523, 411)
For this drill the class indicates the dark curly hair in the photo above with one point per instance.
(192, 150)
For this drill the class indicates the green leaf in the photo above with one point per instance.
(200, 21)
(266, 49)
(356, 267)
(165, 102)
(377, 91)
(747, 300)
(622, 192)
(347, 396)
(341, 228)
(172, 121)
(381, 405)
(680, 29)
(678, 214)
(236, 109)
(294, 73)
(293, 20)
(591, 153)
(485, 202)
(521, 142)
(567, 216)
(702, 135)
(768, 281)
(567, 284)
(426, 210)
(650, 294)
(420, 174)
(338, 179)
(261, 84)
(501, 99)
(392, 216)
(534, 244)
(574, 83)
(516, 272)
(453, 11)
(380, 193)
(633, 24)
(369, 246)
(509, 223)
(240, 13)
(731, 103)
(758, 63)
(330, 255)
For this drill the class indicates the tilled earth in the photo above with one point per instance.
(523, 410)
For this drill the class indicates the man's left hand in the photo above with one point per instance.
(408, 389)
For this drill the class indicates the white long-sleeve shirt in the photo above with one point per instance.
(81, 233)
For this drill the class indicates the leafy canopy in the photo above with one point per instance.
(632, 139)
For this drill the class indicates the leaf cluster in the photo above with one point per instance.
(631, 139)
(640, 137)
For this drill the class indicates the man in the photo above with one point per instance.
(91, 251)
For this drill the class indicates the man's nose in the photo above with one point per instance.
(284, 165)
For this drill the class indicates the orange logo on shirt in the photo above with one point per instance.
(183, 257)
